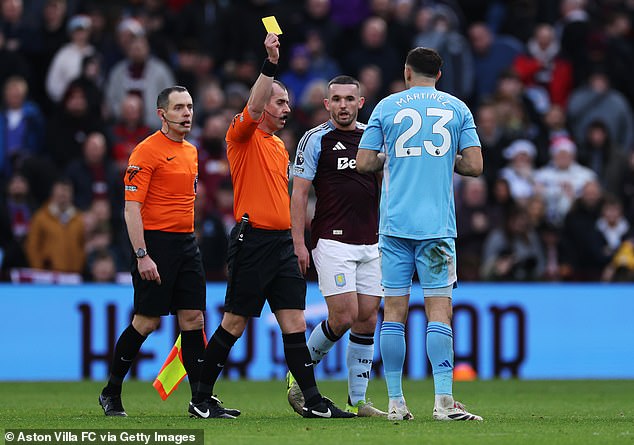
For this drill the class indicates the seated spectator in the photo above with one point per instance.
(140, 73)
(494, 138)
(562, 180)
(128, 130)
(612, 225)
(473, 224)
(458, 69)
(68, 127)
(102, 268)
(67, 63)
(492, 56)
(520, 172)
(212, 238)
(605, 158)
(543, 68)
(621, 267)
(299, 75)
(16, 212)
(513, 253)
(21, 127)
(597, 100)
(583, 254)
(95, 176)
(56, 238)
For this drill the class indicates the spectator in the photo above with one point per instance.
(619, 53)
(95, 175)
(374, 49)
(612, 225)
(597, 100)
(299, 74)
(621, 267)
(68, 128)
(56, 237)
(606, 159)
(542, 69)
(520, 172)
(213, 166)
(583, 255)
(102, 268)
(128, 130)
(371, 79)
(91, 80)
(562, 180)
(321, 64)
(494, 137)
(142, 74)
(48, 37)
(513, 253)
(458, 69)
(21, 126)
(16, 211)
(67, 62)
(211, 236)
(473, 217)
(574, 30)
(492, 56)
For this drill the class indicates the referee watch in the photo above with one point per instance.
(141, 253)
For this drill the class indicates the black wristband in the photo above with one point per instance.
(269, 68)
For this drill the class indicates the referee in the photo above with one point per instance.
(167, 271)
(262, 262)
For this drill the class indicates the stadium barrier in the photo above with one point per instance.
(528, 331)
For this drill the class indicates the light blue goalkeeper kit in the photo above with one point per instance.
(421, 130)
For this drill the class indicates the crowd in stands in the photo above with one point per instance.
(549, 83)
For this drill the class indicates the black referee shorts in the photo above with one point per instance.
(180, 266)
(263, 267)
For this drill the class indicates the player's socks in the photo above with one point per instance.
(440, 353)
(393, 353)
(215, 357)
(359, 360)
(321, 340)
(125, 351)
(193, 348)
(300, 365)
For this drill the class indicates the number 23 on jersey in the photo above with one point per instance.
(416, 124)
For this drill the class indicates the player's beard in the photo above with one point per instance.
(347, 120)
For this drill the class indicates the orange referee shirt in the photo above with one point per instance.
(162, 176)
(259, 172)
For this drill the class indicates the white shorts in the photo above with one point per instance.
(345, 268)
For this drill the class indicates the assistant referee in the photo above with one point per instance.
(167, 270)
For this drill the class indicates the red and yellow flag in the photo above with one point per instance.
(172, 373)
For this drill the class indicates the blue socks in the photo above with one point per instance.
(393, 353)
(440, 353)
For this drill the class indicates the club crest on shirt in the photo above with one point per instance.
(340, 280)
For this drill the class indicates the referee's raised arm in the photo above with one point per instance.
(261, 90)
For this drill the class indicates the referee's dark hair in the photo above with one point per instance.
(424, 61)
(162, 101)
(344, 80)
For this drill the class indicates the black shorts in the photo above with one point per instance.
(180, 266)
(263, 267)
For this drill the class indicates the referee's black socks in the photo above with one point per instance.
(215, 357)
(300, 364)
(193, 347)
(125, 351)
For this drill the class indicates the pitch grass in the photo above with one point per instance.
(515, 412)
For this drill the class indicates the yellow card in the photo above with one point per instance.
(270, 23)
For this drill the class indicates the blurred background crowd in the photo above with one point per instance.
(549, 83)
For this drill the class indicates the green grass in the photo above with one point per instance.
(515, 412)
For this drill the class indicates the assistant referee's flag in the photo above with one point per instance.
(172, 373)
